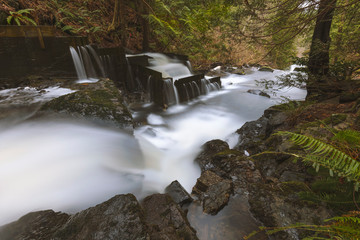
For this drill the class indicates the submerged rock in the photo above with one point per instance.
(165, 219)
(266, 69)
(258, 92)
(99, 102)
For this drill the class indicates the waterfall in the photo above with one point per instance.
(97, 60)
(79, 66)
(84, 60)
(169, 67)
(171, 92)
(188, 64)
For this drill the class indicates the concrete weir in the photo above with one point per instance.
(32, 52)
(168, 79)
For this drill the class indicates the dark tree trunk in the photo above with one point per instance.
(319, 50)
(319, 86)
(118, 22)
(144, 10)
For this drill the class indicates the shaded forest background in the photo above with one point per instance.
(233, 32)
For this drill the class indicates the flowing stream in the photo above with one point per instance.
(69, 166)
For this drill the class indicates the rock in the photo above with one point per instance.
(250, 134)
(266, 69)
(278, 205)
(100, 102)
(178, 193)
(213, 191)
(238, 71)
(121, 217)
(208, 150)
(36, 225)
(258, 92)
(165, 219)
(291, 176)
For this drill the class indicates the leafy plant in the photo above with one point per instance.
(342, 227)
(323, 154)
(20, 17)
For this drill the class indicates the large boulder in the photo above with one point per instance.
(121, 217)
(100, 102)
(165, 219)
(36, 225)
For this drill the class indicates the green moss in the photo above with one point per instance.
(335, 119)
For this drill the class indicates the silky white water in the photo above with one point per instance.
(69, 166)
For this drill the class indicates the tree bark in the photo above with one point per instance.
(144, 10)
(319, 50)
(118, 22)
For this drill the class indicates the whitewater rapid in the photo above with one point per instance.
(69, 166)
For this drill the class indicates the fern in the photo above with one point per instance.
(19, 17)
(342, 227)
(322, 154)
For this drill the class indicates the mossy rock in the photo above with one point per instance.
(101, 101)
(266, 69)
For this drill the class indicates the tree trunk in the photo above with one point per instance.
(144, 11)
(118, 22)
(319, 86)
(319, 50)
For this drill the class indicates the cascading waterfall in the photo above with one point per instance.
(88, 65)
(84, 65)
(97, 60)
(79, 66)
(171, 92)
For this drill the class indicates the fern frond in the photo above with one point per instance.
(322, 154)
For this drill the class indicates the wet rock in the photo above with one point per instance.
(213, 191)
(266, 69)
(238, 71)
(250, 134)
(165, 219)
(121, 217)
(278, 205)
(36, 225)
(178, 193)
(100, 102)
(208, 150)
(258, 92)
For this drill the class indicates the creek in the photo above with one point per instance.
(68, 166)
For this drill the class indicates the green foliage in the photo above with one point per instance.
(334, 192)
(325, 155)
(346, 227)
(75, 21)
(20, 17)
